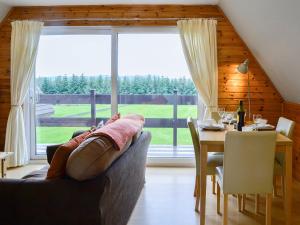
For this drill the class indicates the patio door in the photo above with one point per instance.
(84, 75)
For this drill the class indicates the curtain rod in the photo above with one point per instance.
(125, 19)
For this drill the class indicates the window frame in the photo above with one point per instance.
(29, 106)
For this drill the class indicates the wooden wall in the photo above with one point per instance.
(292, 111)
(231, 50)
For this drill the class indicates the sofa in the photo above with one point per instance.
(108, 199)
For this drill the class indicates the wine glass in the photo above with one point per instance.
(229, 117)
(221, 112)
(256, 119)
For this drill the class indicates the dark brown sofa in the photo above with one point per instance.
(108, 199)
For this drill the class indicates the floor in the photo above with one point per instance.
(167, 200)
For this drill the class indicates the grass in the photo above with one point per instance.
(103, 110)
(160, 136)
(55, 135)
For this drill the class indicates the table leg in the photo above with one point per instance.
(203, 167)
(288, 184)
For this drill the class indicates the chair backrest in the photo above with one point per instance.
(249, 162)
(195, 138)
(216, 116)
(285, 127)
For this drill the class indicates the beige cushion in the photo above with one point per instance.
(249, 162)
(92, 157)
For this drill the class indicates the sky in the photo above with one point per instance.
(139, 54)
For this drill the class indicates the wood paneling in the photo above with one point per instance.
(231, 50)
(292, 111)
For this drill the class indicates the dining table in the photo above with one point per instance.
(213, 141)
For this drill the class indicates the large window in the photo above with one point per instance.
(84, 76)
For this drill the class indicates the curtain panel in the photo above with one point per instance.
(199, 43)
(24, 44)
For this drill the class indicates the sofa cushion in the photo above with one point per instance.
(61, 155)
(136, 117)
(113, 119)
(120, 131)
(92, 157)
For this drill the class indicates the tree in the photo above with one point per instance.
(57, 84)
(83, 85)
(64, 89)
(45, 86)
(74, 85)
(149, 84)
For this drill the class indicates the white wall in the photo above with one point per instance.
(271, 29)
(3, 10)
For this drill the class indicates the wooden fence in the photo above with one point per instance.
(94, 99)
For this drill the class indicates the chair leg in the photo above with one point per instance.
(243, 202)
(268, 209)
(218, 198)
(275, 192)
(282, 186)
(225, 210)
(197, 204)
(257, 203)
(195, 188)
(239, 200)
(213, 184)
(197, 194)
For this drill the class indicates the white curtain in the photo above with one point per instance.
(24, 43)
(199, 43)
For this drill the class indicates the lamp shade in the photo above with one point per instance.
(243, 67)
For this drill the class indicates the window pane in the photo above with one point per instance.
(154, 81)
(68, 67)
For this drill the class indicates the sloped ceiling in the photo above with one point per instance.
(271, 29)
(3, 10)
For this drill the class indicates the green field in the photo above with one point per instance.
(103, 110)
(160, 136)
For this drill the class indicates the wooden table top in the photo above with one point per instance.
(218, 138)
(4, 155)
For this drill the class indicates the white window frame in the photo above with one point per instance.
(91, 30)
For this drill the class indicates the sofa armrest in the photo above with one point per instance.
(50, 150)
(78, 202)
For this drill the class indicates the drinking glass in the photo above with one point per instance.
(256, 119)
(221, 112)
(229, 117)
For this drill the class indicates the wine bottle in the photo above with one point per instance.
(241, 116)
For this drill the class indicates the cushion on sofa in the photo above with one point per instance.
(120, 131)
(113, 119)
(92, 157)
(61, 155)
(140, 130)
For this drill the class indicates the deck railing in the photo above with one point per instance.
(94, 99)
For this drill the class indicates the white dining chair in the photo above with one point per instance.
(213, 161)
(285, 127)
(248, 167)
